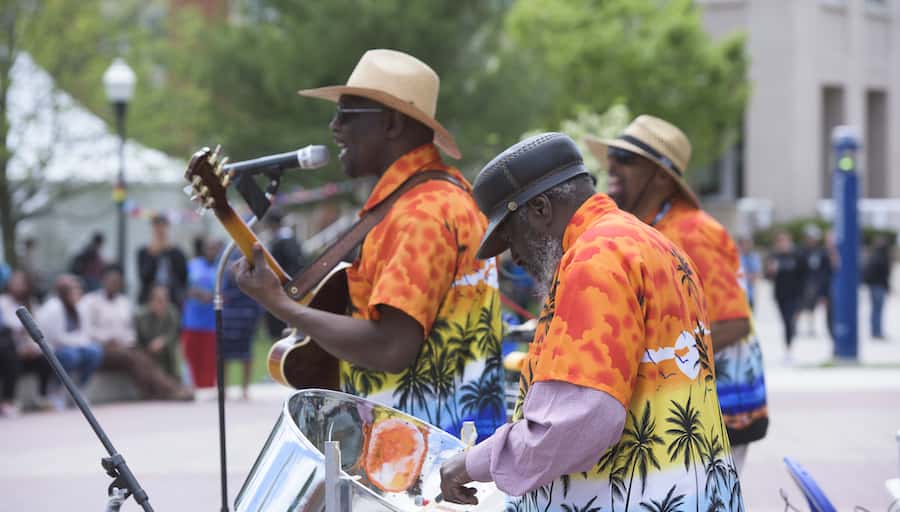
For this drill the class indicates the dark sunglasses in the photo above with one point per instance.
(622, 156)
(340, 113)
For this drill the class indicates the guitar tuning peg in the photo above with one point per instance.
(196, 198)
(196, 181)
(215, 154)
(189, 191)
(220, 167)
(209, 203)
(204, 191)
(226, 181)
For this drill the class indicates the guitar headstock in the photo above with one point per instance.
(208, 179)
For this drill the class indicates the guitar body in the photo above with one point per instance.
(297, 360)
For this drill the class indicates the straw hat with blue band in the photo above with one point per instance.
(657, 140)
(517, 175)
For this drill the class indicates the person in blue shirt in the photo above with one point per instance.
(198, 320)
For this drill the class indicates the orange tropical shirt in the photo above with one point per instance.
(421, 260)
(740, 375)
(715, 256)
(626, 316)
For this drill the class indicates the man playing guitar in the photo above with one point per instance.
(424, 331)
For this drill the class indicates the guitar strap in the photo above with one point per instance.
(303, 283)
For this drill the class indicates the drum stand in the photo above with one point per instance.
(336, 496)
(124, 482)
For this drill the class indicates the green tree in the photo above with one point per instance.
(74, 42)
(287, 45)
(653, 55)
(78, 44)
(607, 125)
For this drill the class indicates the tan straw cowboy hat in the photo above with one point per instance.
(657, 140)
(398, 81)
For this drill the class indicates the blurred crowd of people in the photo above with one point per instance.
(802, 278)
(164, 342)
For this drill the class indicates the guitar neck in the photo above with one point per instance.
(244, 238)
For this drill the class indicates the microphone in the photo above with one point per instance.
(310, 157)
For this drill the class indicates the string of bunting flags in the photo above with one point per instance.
(297, 197)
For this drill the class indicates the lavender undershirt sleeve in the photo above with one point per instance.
(565, 429)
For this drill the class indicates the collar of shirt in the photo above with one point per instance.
(423, 158)
(675, 207)
(595, 207)
(666, 206)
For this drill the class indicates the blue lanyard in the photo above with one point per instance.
(662, 213)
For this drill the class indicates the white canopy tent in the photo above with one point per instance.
(56, 141)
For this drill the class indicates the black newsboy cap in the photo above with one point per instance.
(518, 174)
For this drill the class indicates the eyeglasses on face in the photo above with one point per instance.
(622, 156)
(340, 113)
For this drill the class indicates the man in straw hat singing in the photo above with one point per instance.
(646, 177)
(425, 327)
(617, 405)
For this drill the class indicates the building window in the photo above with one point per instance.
(875, 144)
(832, 110)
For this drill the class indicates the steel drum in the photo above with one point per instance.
(390, 461)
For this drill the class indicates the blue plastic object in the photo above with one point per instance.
(811, 491)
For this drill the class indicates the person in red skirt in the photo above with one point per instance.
(198, 321)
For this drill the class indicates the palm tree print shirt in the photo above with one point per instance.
(739, 367)
(421, 260)
(714, 255)
(626, 316)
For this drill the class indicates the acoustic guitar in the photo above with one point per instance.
(295, 360)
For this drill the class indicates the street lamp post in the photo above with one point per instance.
(119, 80)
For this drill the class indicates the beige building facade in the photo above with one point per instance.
(815, 64)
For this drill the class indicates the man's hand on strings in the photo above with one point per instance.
(258, 281)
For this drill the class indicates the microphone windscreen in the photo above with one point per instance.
(313, 157)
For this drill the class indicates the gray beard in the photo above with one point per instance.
(546, 254)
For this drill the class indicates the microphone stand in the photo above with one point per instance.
(124, 482)
(218, 303)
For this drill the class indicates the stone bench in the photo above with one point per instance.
(104, 387)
